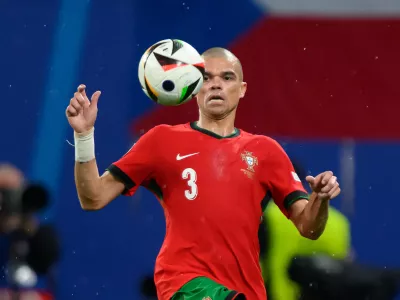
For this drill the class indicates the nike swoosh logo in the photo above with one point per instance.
(179, 157)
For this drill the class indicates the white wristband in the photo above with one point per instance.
(84, 146)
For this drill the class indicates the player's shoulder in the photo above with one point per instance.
(261, 140)
(165, 129)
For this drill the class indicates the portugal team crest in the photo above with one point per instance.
(251, 161)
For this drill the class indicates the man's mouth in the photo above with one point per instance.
(216, 98)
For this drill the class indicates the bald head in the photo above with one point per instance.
(218, 52)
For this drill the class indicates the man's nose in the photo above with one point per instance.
(216, 83)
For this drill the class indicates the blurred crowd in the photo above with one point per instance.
(29, 249)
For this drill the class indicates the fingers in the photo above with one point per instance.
(84, 100)
(82, 89)
(331, 189)
(331, 183)
(334, 192)
(80, 94)
(322, 179)
(75, 103)
(314, 182)
(79, 102)
(325, 184)
(326, 176)
(71, 111)
(318, 180)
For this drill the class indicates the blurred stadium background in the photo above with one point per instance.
(323, 80)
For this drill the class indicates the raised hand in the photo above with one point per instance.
(82, 113)
(325, 185)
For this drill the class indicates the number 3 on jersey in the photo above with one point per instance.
(191, 176)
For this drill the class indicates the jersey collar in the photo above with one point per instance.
(194, 126)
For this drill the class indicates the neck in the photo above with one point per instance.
(222, 127)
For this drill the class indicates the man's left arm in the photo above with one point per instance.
(309, 213)
(310, 217)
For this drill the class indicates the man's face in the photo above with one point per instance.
(222, 88)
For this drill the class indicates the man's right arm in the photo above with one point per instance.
(122, 177)
(95, 192)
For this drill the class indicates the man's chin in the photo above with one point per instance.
(215, 109)
(216, 113)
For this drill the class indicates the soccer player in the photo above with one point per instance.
(213, 181)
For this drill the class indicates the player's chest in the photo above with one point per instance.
(222, 165)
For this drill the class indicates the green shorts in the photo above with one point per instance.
(202, 288)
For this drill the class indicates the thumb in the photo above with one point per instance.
(95, 99)
(310, 179)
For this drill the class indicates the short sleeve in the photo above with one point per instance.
(138, 164)
(278, 174)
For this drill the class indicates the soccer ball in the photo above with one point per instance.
(171, 72)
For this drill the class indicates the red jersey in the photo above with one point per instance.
(213, 190)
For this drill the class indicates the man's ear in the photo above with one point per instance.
(243, 89)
